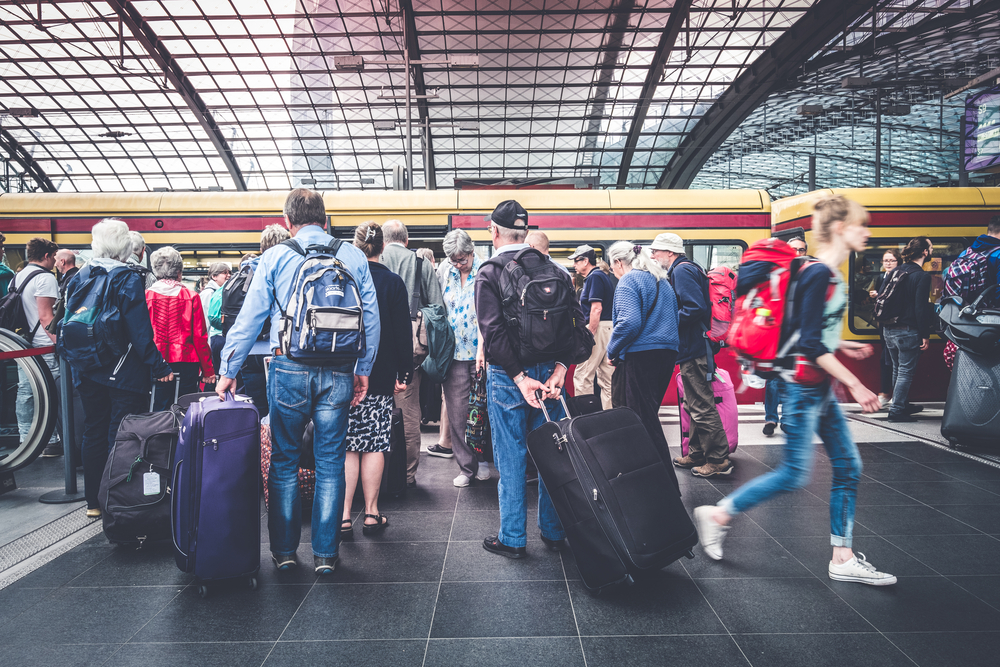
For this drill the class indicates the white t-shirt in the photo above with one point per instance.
(44, 285)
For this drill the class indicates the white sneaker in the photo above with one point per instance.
(710, 532)
(462, 481)
(860, 571)
(483, 473)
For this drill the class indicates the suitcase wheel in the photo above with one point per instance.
(253, 583)
(203, 591)
(953, 443)
(629, 580)
(689, 555)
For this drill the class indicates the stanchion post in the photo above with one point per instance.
(70, 495)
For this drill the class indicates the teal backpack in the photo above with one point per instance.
(440, 342)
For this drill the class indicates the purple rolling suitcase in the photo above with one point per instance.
(215, 509)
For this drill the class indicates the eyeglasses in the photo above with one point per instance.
(800, 251)
(460, 261)
(579, 259)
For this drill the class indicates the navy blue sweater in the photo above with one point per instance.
(395, 351)
(694, 310)
(634, 298)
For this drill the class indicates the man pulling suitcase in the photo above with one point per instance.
(520, 365)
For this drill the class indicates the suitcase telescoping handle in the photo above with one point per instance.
(177, 391)
(538, 395)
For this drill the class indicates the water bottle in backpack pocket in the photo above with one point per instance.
(324, 320)
(92, 334)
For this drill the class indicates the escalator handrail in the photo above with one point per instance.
(14, 347)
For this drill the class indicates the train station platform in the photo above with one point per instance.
(426, 593)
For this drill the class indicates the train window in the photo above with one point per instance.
(710, 255)
(866, 266)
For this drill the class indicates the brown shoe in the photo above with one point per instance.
(688, 462)
(713, 469)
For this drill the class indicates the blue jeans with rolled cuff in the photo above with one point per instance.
(808, 411)
(511, 419)
(296, 394)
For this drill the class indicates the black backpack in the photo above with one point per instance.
(890, 303)
(12, 316)
(539, 307)
(234, 293)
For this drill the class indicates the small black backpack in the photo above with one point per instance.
(539, 306)
(234, 293)
(890, 303)
(12, 316)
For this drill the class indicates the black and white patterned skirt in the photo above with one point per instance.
(369, 424)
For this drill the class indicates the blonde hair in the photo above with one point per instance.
(831, 209)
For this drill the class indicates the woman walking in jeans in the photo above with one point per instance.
(840, 227)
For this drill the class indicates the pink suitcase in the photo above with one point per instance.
(725, 400)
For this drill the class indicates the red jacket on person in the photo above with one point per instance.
(178, 321)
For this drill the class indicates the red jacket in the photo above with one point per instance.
(179, 324)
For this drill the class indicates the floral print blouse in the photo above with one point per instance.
(461, 302)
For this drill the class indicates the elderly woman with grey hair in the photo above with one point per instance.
(644, 339)
(178, 327)
(458, 279)
(120, 385)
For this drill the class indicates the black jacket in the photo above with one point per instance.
(496, 340)
(917, 311)
(395, 351)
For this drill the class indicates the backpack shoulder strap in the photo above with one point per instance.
(291, 243)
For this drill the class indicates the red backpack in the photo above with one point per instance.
(722, 296)
(768, 267)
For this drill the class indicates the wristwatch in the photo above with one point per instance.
(520, 377)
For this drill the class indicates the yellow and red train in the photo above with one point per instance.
(716, 227)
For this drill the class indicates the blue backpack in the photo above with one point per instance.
(324, 320)
(92, 333)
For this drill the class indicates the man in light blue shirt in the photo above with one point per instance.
(299, 392)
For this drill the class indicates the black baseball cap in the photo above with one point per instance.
(509, 214)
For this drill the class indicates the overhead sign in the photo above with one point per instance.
(982, 131)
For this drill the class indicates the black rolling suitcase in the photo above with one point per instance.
(972, 411)
(618, 503)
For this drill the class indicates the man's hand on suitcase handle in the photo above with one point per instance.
(168, 378)
(223, 385)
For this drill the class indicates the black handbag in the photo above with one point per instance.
(972, 327)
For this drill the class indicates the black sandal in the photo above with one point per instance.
(348, 532)
(374, 528)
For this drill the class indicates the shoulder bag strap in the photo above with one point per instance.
(418, 283)
(649, 313)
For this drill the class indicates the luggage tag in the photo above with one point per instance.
(151, 483)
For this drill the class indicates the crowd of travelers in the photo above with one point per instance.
(647, 314)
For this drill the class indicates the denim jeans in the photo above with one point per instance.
(24, 404)
(104, 408)
(903, 345)
(772, 399)
(296, 394)
(810, 410)
(511, 419)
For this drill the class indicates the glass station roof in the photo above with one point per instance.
(271, 94)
